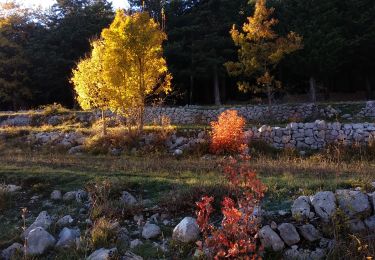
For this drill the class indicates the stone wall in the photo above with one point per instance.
(205, 115)
(259, 113)
(314, 135)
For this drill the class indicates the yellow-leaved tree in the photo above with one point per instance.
(126, 66)
(134, 66)
(88, 78)
(260, 50)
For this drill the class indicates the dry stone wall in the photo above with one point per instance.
(315, 135)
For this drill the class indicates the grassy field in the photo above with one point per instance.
(171, 182)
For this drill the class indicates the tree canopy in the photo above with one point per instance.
(41, 47)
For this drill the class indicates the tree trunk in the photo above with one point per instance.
(269, 97)
(368, 89)
(312, 89)
(104, 124)
(140, 119)
(216, 87)
(223, 90)
(191, 89)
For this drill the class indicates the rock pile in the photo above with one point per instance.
(311, 214)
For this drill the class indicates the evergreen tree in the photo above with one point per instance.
(260, 50)
(15, 28)
(56, 46)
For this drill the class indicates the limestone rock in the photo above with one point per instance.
(310, 233)
(38, 241)
(301, 208)
(324, 204)
(128, 199)
(65, 221)
(187, 230)
(356, 226)
(16, 249)
(353, 203)
(270, 239)
(150, 231)
(11, 188)
(131, 256)
(56, 195)
(370, 223)
(43, 220)
(68, 238)
(289, 234)
(135, 243)
(304, 254)
(103, 254)
(81, 196)
(69, 196)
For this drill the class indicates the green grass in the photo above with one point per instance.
(165, 180)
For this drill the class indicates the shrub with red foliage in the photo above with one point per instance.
(228, 134)
(235, 239)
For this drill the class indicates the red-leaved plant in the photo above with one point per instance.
(236, 238)
(228, 133)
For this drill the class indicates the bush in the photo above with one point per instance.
(236, 238)
(228, 135)
(116, 138)
(102, 233)
(54, 109)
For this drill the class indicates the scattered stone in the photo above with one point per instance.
(154, 218)
(166, 222)
(304, 254)
(289, 234)
(324, 204)
(150, 231)
(135, 243)
(65, 221)
(370, 223)
(372, 199)
(68, 238)
(11, 188)
(301, 208)
(273, 225)
(103, 254)
(186, 231)
(353, 203)
(178, 152)
(81, 196)
(128, 199)
(309, 232)
(11, 252)
(56, 195)
(282, 213)
(69, 196)
(38, 241)
(270, 239)
(43, 220)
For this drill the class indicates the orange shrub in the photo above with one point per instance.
(236, 238)
(228, 135)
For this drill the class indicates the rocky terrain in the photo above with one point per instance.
(304, 232)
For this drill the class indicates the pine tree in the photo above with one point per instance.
(14, 65)
(260, 50)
